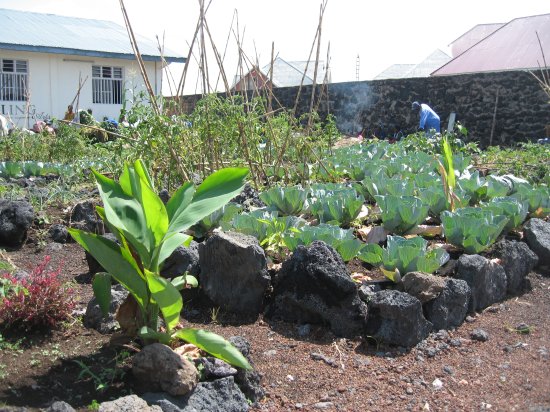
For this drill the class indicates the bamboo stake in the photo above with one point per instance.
(317, 33)
(321, 12)
(181, 84)
(494, 119)
(270, 86)
(139, 58)
(226, 44)
(156, 109)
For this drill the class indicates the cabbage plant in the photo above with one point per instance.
(342, 240)
(472, 228)
(537, 198)
(148, 232)
(220, 217)
(402, 256)
(434, 196)
(400, 214)
(340, 210)
(515, 210)
(286, 200)
(252, 223)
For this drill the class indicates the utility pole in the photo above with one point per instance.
(357, 68)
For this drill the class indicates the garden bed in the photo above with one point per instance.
(305, 368)
(377, 277)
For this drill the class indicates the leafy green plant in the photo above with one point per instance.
(400, 214)
(472, 228)
(276, 229)
(447, 172)
(149, 232)
(286, 200)
(380, 184)
(341, 240)
(220, 217)
(252, 223)
(340, 210)
(473, 185)
(402, 256)
(512, 208)
(528, 160)
(434, 196)
(536, 197)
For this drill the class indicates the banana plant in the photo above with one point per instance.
(402, 256)
(148, 232)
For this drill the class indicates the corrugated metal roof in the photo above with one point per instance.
(472, 36)
(50, 33)
(435, 60)
(423, 69)
(395, 71)
(512, 47)
(286, 74)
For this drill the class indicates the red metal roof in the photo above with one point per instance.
(512, 47)
(472, 36)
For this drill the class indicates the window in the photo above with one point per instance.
(13, 79)
(107, 84)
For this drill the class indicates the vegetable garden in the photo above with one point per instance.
(427, 205)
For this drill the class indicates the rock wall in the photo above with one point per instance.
(383, 107)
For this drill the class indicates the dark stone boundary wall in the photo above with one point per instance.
(383, 107)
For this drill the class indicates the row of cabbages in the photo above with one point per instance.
(406, 189)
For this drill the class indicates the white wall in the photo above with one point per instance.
(53, 85)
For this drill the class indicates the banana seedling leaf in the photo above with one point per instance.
(141, 170)
(101, 286)
(126, 214)
(150, 334)
(172, 242)
(116, 261)
(215, 345)
(182, 281)
(216, 190)
(167, 298)
(141, 189)
(180, 200)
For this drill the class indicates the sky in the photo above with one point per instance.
(381, 33)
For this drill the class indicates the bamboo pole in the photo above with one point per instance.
(156, 109)
(312, 100)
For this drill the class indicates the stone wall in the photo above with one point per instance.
(383, 107)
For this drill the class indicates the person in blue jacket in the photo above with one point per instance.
(429, 120)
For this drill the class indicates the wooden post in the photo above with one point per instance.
(494, 119)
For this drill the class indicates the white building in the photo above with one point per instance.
(44, 58)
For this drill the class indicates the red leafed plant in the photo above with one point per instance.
(40, 300)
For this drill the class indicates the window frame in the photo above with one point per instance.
(107, 84)
(17, 80)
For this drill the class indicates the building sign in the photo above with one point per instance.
(18, 112)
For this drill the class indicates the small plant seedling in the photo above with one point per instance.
(214, 312)
(3, 373)
(94, 405)
(521, 328)
(15, 346)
